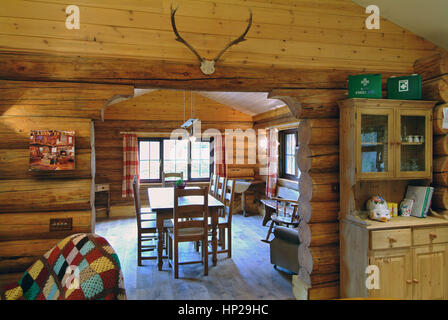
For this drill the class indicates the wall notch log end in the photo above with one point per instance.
(113, 100)
(293, 104)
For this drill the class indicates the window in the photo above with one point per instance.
(175, 157)
(157, 155)
(149, 160)
(200, 160)
(287, 155)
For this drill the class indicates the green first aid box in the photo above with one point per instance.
(365, 86)
(405, 88)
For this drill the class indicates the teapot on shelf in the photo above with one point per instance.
(378, 209)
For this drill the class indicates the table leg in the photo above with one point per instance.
(159, 224)
(214, 237)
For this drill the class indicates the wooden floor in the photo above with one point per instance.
(247, 275)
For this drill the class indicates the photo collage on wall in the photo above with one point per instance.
(52, 150)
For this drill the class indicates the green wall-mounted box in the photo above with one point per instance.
(365, 86)
(405, 88)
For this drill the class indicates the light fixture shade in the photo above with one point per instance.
(189, 123)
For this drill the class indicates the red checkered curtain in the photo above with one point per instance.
(220, 156)
(272, 156)
(130, 164)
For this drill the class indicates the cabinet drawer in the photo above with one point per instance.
(430, 235)
(385, 239)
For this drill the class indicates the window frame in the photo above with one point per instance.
(282, 154)
(161, 160)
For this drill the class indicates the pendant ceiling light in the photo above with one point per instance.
(189, 123)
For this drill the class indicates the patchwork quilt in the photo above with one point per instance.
(82, 266)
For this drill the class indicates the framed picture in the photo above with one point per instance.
(52, 150)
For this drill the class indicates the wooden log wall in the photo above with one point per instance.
(306, 34)
(434, 71)
(325, 43)
(320, 158)
(157, 114)
(318, 161)
(29, 200)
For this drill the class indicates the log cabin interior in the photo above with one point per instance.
(308, 180)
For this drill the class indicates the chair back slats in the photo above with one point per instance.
(178, 175)
(220, 186)
(213, 185)
(228, 197)
(190, 203)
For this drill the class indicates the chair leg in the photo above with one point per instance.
(221, 239)
(196, 246)
(205, 255)
(229, 241)
(170, 249)
(139, 250)
(269, 233)
(176, 260)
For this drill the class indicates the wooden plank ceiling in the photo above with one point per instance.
(249, 103)
(322, 34)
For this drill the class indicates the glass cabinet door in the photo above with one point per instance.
(374, 151)
(413, 148)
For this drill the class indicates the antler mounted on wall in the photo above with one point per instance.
(208, 66)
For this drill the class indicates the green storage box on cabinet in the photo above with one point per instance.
(365, 86)
(405, 88)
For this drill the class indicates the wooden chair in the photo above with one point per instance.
(225, 222)
(213, 184)
(190, 223)
(146, 226)
(178, 175)
(220, 186)
(283, 217)
(282, 209)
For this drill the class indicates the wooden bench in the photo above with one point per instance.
(283, 193)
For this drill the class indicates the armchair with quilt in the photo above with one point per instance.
(80, 267)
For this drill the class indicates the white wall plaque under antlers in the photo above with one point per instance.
(208, 66)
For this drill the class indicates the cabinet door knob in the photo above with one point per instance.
(432, 236)
(415, 281)
(408, 281)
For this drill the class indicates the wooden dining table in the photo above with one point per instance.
(161, 201)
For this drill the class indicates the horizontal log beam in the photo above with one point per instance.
(145, 73)
(436, 89)
(432, 66)
(32, 225)
(44, 195)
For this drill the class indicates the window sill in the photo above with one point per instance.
(288, 183)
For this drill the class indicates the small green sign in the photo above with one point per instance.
(405, 88)
(365, 86)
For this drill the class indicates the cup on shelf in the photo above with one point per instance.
(410, 139)
(417, 139)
